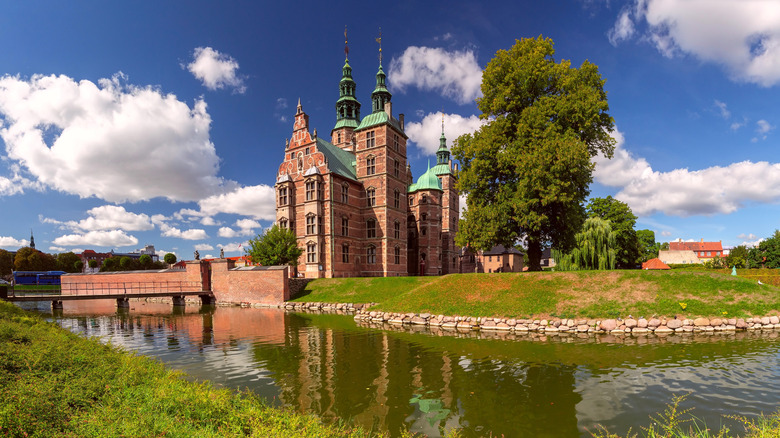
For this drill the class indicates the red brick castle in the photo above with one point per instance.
(352, 201)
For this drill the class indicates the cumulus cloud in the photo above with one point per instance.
(6, 241)
(426, 133)
(113, 238)
(246, 227)
(203, 247)
(743, 36)
(455, 75)
(108, 217)
(684, 192)
(723, 109)
(191, 234)
(56, 249)
(235, 247)
(113, 141)
(216, 70)
(762, 127)
(257, 202)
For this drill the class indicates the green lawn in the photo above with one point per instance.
(589, 294)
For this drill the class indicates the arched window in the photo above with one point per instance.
(397, 255)
(371, 255)
(370, 165)
(370, 228)
(371, 196)
(424, 199)
(397, 230)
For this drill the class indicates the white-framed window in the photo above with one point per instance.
(311, 190)
(371, 165)
(283, 223)
(370, 139)
(311, 224)
(283, 198)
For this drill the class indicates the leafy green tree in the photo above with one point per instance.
(276, 246)
(170, 258)
(125, 263)
(110, 264)
(146, 261)
(78, 266)
(29, 259)
(6, 262)
(754, 259)
(738, 257)
(526, 172)
(623, 220)
(596, 248)
(648, 247)
(768, 252)
(93, 264)
(66, 261)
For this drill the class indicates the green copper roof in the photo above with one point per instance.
(349, 123)
(340, 161)
(426, 181)
(379, 118)
(441, 169)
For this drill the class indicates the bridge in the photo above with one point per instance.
(121, 291)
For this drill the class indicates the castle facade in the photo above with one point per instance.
(351, 199)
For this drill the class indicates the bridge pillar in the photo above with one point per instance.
(123, 303)
(207, 299)
(178, 300)
(56, 305)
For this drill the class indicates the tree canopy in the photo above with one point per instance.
(648, 247)
(623, 220)
(276, 246)
(30, 259)
(6, 262)
(66, 261)
(170, 258)
(526, 172)
(596, 248)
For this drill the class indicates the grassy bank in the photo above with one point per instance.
(588, 294)
(55, 383)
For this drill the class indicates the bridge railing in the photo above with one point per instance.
(131, 287)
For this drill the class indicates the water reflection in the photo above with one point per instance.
(388, 379)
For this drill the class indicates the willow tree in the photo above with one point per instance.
(526, 172)
(596, 248)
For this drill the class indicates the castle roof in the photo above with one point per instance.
(339, 161)
(426, 181)
(379, 118)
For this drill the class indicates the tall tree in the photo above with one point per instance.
(170, 258)
(30, 259)
(648, 247)
(623, 220)
(738, 257)
(768, 252)
(596, 248)
(66, 261)
(526, 172)
(6, 262)
(276, 246)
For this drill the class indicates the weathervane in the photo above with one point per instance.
(346, 45)
(379, 40)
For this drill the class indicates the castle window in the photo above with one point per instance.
(397, 230)
(371, 255)
(371, 197)
(396, 168)
(307, 151)
(370, 165)
(397, 199)
(311, 252)
(311, 190)
(345, 226)
(424, 199)
(283, 223)
(423, 231)
(411, 200)
(345, 194)
(283, 196)
(397, 255)
(338, 134)
(424, 216)
(345, 253)
(395, 142)
(370, 139)
(371, 228)
(311, 224)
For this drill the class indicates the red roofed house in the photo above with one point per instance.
(703, 250)
(655, 263)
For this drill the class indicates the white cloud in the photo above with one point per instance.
(763, 127)
(455, 75)
(204, 247)
(744, 236)
(723, 109)
(108, 217)
(209, 221)
(666, 233)
(113, 141)
(114, 238)
(426, 134)
(741, 35)
(235, 247)
(227, 232)
(683, 192)
(56, 249)
(191, 234)
(6, 241)
(216, 70)
(246, 227)
(257, 202)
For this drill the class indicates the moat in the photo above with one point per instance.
(389, 380)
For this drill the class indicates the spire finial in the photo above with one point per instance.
(299, 109)
(346, 43)
(442, 122)
(379, 40)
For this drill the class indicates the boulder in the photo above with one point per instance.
(701, 322)
(608, 325)
(674, 323)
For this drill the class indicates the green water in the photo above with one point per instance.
(426, 382)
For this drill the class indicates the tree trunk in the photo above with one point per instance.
(534, 255)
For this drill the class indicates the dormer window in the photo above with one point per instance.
(370, 139)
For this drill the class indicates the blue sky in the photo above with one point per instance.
(131, 123)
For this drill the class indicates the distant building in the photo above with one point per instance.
(497, 259)
(678, 257)
(547, 260)
(704, 250)
(654, 264)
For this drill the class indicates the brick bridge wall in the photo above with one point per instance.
(228, 285)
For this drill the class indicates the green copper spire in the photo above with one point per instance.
(347, 107)
(443, 154)
(380, 96)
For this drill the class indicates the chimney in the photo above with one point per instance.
(401, 119)
(702, 240)
(389, 109)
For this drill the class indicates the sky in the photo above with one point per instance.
(124, 124)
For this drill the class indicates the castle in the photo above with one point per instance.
(351, 199)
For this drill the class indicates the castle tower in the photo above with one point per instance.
(347, 107)
(450, 205)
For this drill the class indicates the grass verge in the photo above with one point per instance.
(55, 383)
(587, 294)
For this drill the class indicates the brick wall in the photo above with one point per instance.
(259, 284)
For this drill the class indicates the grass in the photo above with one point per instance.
(55, 383)
(585, 294)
